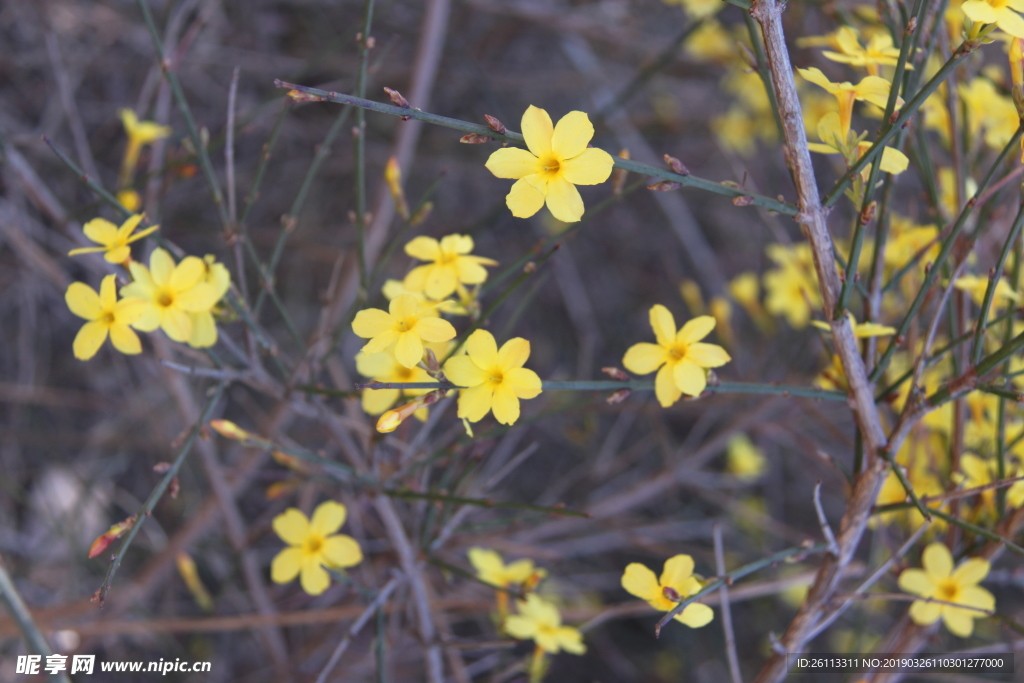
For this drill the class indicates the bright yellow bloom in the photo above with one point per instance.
(998, 12)
(313, 545)
(939, 581)
(490, 568)
(975, 285)
(115, 240)
(491, 378)
(792, 288)
(990, 111)
(139, 133)
(680, 355)
(172, 293)
(743, 459)
(676, 583)
(873, 89)
(558, 159)
(540, 621)
(204, 330)
(451, 265)
(879, 51)
(406, 324)
(383, 367)
(106, 315)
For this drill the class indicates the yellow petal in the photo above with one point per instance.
(128, 310)
(380, 342)
(895, 161)
(524, 200)
(644, 358)
(690, 377)
(482, 348)
(707, 355)
(342, 551)
(512, 162)
(86, 250)
(514, 353)
(591, 167)
(469, 270)
(423, 248)
(108, 293)
(83, 301)
(327, 518)
(187, 274)
(564, 201)
(204, 330)
(972, 571)
(161, 266)
(677, 574)
(537, 130)
(292, 526)
(404, 306)
(570, 639)
(663, 324)
(520, 627)
(960, 622)
(976, 596)
(198, 297)
(523, 383)
(128, 227)
(376, 401)
(696, 615)
(89, 340)
(371, 322)
(118, 254)
(409, 349)
(463, 372)
(916, 582)
(640, 581)
(101, 231)
(125, 340)
(937, 561)
(925, 613)
(1011, 22)
(696, 329)
(572, 134)
(440, 281)
(314, 579)
(505, 405)
(488, 564)
(286, 565)
(814, 75)
(416, 279)
(434, 330)
(665, 387)
(475, 402)
(980, 11)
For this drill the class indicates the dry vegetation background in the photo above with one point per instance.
(79, 441)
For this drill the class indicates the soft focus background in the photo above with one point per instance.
(79, 441)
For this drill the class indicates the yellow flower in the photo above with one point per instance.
(384, 368)
(406, 324)
(172, 292)
(129, 199)
(490, 568)
(860, 330)
(204, 330)
(939, 581)
(836, 141)
(998, 12)
(873, 89)
(975, 285)
(744, 460)
(676, 583)
(680, 355)
(451, 264)
(106, 316)
(115, 240)
(540, 621)
(491, 378)
(879, 51)
(139, 133)
(558, 159)
(698, 9)
(792, 288)
(313, 545)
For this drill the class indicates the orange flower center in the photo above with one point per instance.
(948, 590)
(107, 317)
(677, 352)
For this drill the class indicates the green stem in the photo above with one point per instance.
(993, 281)
(21, 614)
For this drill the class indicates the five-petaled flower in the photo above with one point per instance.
(106, 315)
(558, 159)
(676, 583)
(939, 581)
(407, 323)
(115, 240)
(451, 265)
(680, 355)
(999, 12)
(313, 545)
(490, 568)
(384, 367)
(540, 621)
(491, 378)
(172, 293)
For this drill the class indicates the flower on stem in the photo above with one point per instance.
(873, 89)
(939, 581)
(406, 324)
(313, 545)
(1002, 13)
(491, 569)
(538, 620)
(172, 292)
(139, 133)
(451, 265)
(836, 141)
(677, 582)
(114, 240)
(492, 378)
(384, 367)
(879, 51)
(791, 289)
(860, 330)
(681, 356)
(106, 315)
(557, 160)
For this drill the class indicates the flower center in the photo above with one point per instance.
(107, 317)
(165, 298)
(671, 593)
(550, 166)
(497, 376)
(313, 545)
(948, 590)
(677, 352)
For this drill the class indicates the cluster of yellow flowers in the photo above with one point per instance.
(178, 298)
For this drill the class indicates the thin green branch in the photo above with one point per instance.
(23, 617)
(993, 281)
(481, 502)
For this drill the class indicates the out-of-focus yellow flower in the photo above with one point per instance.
(743, 459)
(873, 89)
(939, 581)
(698, 9)
(407, 324)
(998, 12)
(860, 330)
(975, 286)
(879, 51)
(204, 329)
(490, 568)
(836, 141)
(791, 289)
(680, 358)
(114, 240)
(491, 378)
(172, 293)
(710, 42)
(557, 161)
(450, 264)
(538, 620)
(989, 112)
(313, 545)
(106, 316)
(677, 582)
(139, 133)
(129, 199)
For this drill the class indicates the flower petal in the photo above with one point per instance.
(972, 571)
(286, 565)
(644, 358)
(380, 342)
(960, 622)
(505, 405)
(937, 561)
(83, 301)
(564, 201)
(176, 324)
(292, 526)
(204, 330)
(570, 639)
(198, 297)
(695, 330)
(572, 134)
(523, 383)
(696, 615)
(187, 273)
(665, 386)
(690, 377)
(314, 578)
(470, 271)
(404, 306)
(371, 322)
(980, 11)
(434, 330)
(707, 355)
(129, 226)
(524, 200)
(537, 130)
(161, 266)
(976, 596)
(1010, 21)
(488, 564)
(916, 582)
(463, 372)
(89, 340)
(677, 574)
(125, 340)
(101, 231)
(512, 162)
(416, 279)
(663, 324)
(118, 254)
(514, 353)
(482, 348)
(925, 613)
(591, 167)
(423, 248)
(409, 349)
(475, 402)
(640, 581)
(327, 518)
(440, 281)
(341, 551)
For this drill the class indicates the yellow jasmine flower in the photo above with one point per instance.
(873, 89)
(204, 330)
(710, 42)
(139, 133)
(939, 581)
(698, 9)
(451, 265)
(975, 285)
(492, 378)
(490, 568)
(998, 12)
(990, 111)
(792, 288)
(129, 199)
(106, 315)
(860, 330)
(383, 367)
(558, 159)
(879, 51)
(976, 471)
(313, 545)
(540, 621)
(744, 460)
(172, 292)
(115, 240)
(676, 583)
(681, 356)
(406, 324)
